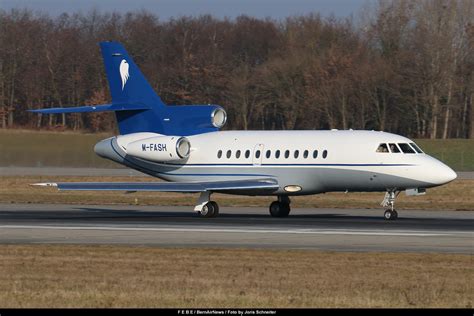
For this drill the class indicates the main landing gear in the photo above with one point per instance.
(389, 200)
(280, 208)
(206, 208)
(210, 209)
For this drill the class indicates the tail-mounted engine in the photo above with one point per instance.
(194, 119)
(160, 148)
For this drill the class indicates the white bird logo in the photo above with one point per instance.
(124, 72)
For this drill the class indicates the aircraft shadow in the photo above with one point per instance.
(134, 213)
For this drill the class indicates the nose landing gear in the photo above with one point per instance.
(389, 200)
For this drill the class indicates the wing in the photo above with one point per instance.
(94, 108)
(267, 185)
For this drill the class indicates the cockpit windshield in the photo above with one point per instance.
(418, 149)
(382, 148)
(394, 148)
(406, 148)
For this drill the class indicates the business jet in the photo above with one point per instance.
(184, 146)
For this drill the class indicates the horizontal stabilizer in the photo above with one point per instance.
(94, 108)
(188, 187)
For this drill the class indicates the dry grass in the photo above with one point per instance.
(458, 195)
(105, 276)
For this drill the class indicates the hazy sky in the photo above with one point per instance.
(173, 8)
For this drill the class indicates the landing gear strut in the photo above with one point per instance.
(280, 208)
(389, 200)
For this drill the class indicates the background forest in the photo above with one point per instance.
(399, 66)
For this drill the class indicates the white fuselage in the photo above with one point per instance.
(345, 161)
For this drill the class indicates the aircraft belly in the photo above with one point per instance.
(311, 180)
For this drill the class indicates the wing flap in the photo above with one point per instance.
(186, 187)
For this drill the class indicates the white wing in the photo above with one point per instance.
(124, 72)
(264, 184)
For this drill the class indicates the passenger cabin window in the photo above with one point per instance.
(418, 149)
(297, 153)
(382, 148)
(325, 154)
(247, 153)
(406, 148)
(287, 154)
(269, 153)
(394, 148)
(229, 153)
(305, 154)
(315, 154)
(219, 154)
(277, 154)
(257, 154)
(237, 154)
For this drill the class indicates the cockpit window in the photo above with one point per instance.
(406, 148)
(394, 148)
(418, 149)
(382, 148)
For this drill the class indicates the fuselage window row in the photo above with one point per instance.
(268, 154)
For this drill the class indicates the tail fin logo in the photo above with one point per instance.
(124, 72)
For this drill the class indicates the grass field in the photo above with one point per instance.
(57, 149)
(106, 276)
(67, 149)
(457, 195)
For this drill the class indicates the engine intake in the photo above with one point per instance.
(218, 117)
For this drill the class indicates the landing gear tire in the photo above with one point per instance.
(279, 209)
(216, 208)
(395, 214)
(210, 209)
(390, 215)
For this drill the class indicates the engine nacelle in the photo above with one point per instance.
(160, 148)
(194, 119)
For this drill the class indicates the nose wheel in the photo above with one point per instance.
(389, 200)
(390, 215)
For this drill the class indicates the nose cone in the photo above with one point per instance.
(441, 173)
(448, 174)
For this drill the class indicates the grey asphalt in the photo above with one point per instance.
(357, 230)
(69, 171)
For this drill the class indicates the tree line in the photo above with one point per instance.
(399, 66)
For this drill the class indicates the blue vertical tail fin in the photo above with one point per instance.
(126, 82)
(128, 85)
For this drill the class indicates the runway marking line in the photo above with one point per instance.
(261, 231)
